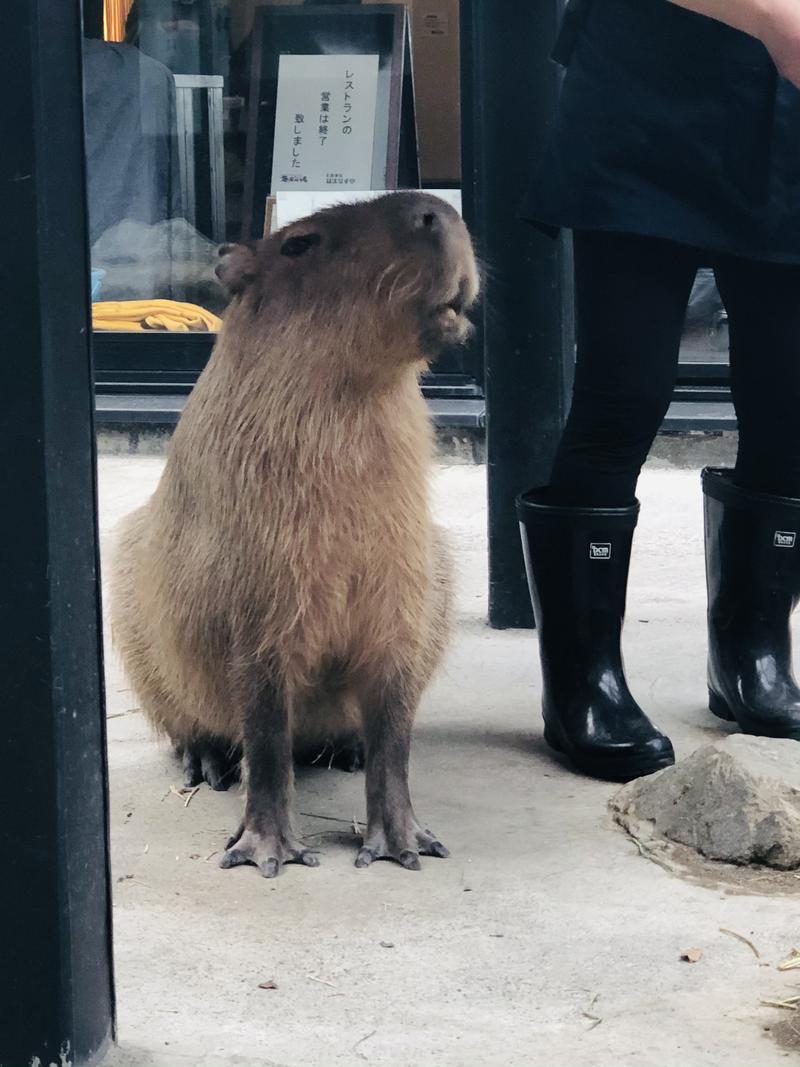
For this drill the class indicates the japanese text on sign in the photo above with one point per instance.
(325, 121)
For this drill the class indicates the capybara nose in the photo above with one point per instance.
(426, 218)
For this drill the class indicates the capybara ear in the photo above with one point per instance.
(237, 266)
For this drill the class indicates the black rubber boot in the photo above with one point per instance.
(753, 576)
(577, 561)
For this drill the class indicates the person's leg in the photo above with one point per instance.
(577, 533)
(753, 512)
(763, 305)
(631, 296)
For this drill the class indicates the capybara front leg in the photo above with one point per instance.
(265, 837)
(393, 831)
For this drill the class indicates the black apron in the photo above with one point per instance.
(671, 125)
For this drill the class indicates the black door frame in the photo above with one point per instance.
(509, 93)
(56, 978)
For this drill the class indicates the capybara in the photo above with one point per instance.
(285, 589)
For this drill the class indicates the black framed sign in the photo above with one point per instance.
(331, 103)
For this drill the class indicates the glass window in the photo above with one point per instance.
(705, 337)
(216, 120)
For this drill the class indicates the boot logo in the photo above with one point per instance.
(784, 539)
(599, 550)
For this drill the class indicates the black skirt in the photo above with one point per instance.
(676, 126)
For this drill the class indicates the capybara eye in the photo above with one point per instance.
(299, 244)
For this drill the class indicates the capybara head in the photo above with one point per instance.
(401, 267)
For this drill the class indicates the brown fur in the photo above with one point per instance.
(288, 555)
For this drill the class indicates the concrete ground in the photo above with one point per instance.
(546, 939)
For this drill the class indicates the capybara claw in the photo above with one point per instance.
(404, 849)
(268, 852)
(436, 848)
(270, 868)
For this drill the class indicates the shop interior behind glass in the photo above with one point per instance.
(186, 118)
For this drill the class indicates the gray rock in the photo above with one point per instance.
(737, 800)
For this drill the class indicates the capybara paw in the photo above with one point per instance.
(192, 771)
(268, 852)
(220, 772)
(405, 849)
(350, 758)
(217, 767)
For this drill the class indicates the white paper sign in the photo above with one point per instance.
(325, 122)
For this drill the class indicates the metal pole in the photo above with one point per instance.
(510, 91)
(56, 992)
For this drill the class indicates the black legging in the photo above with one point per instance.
(632, 294)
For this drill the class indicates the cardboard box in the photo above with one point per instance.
(435, 47)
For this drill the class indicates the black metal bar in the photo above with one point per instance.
(55, 919)
(93, 19)
(471, 202)
(172, 362)
(706, 370)
(510, 96)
